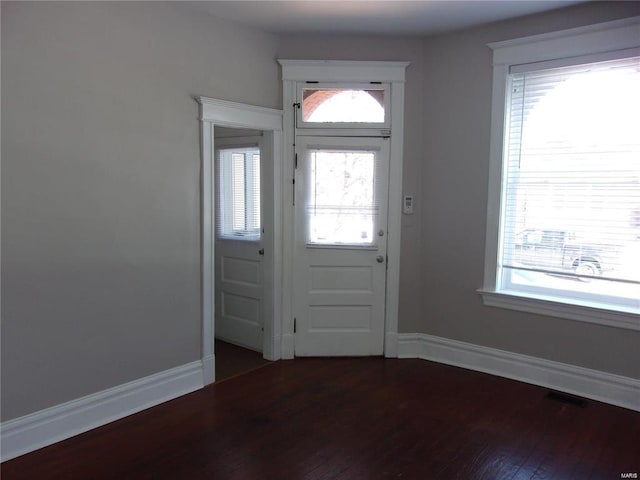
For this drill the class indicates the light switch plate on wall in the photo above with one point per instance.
(407, 205)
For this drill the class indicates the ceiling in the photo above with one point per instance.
(381, 17)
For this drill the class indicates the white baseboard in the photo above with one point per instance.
(593, 384)
(40, 429)
(288, 347)
(391, 345)
(208, 369)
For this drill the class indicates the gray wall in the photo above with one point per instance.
(100, 188)
(447, 120)
(454, 182)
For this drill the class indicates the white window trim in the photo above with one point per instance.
(343, 71)
(593, 39)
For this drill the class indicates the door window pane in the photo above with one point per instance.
(239, 193)
(342, 204)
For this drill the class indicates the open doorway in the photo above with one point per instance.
(230, 121)
(242, 254)
(232, 360)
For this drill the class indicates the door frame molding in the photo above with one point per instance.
(339, 71)
(236, 115)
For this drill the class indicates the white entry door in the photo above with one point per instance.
(239, 248)
(341, 192)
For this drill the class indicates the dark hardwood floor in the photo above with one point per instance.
(367, 418)
(232, 360)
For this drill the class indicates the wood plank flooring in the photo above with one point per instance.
(357, 418)
(232, 360)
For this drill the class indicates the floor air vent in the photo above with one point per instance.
(566, 398)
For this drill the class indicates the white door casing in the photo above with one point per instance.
(295, 72)
(278, 334)
(340, 251)
(230, 114)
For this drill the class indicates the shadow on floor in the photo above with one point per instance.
(232, 360)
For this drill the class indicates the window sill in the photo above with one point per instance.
(597, 314)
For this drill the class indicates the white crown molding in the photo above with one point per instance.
(593, 384)
(40, 429)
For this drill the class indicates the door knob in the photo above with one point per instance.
(261, 251)
(379, 259)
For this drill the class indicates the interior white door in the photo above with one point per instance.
(239, 294)
(341, 192)
(239, 249)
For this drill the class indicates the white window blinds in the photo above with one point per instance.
(571, 183)
(342, 204)
(239, 193)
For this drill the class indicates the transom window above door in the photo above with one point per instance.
(364, 105)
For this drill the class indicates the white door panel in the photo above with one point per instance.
(239, 263)
(340, 246)
(239, 293)
(241, 270)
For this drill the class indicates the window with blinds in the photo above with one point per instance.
(239, 193)
(570, 212)
(342, 204)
